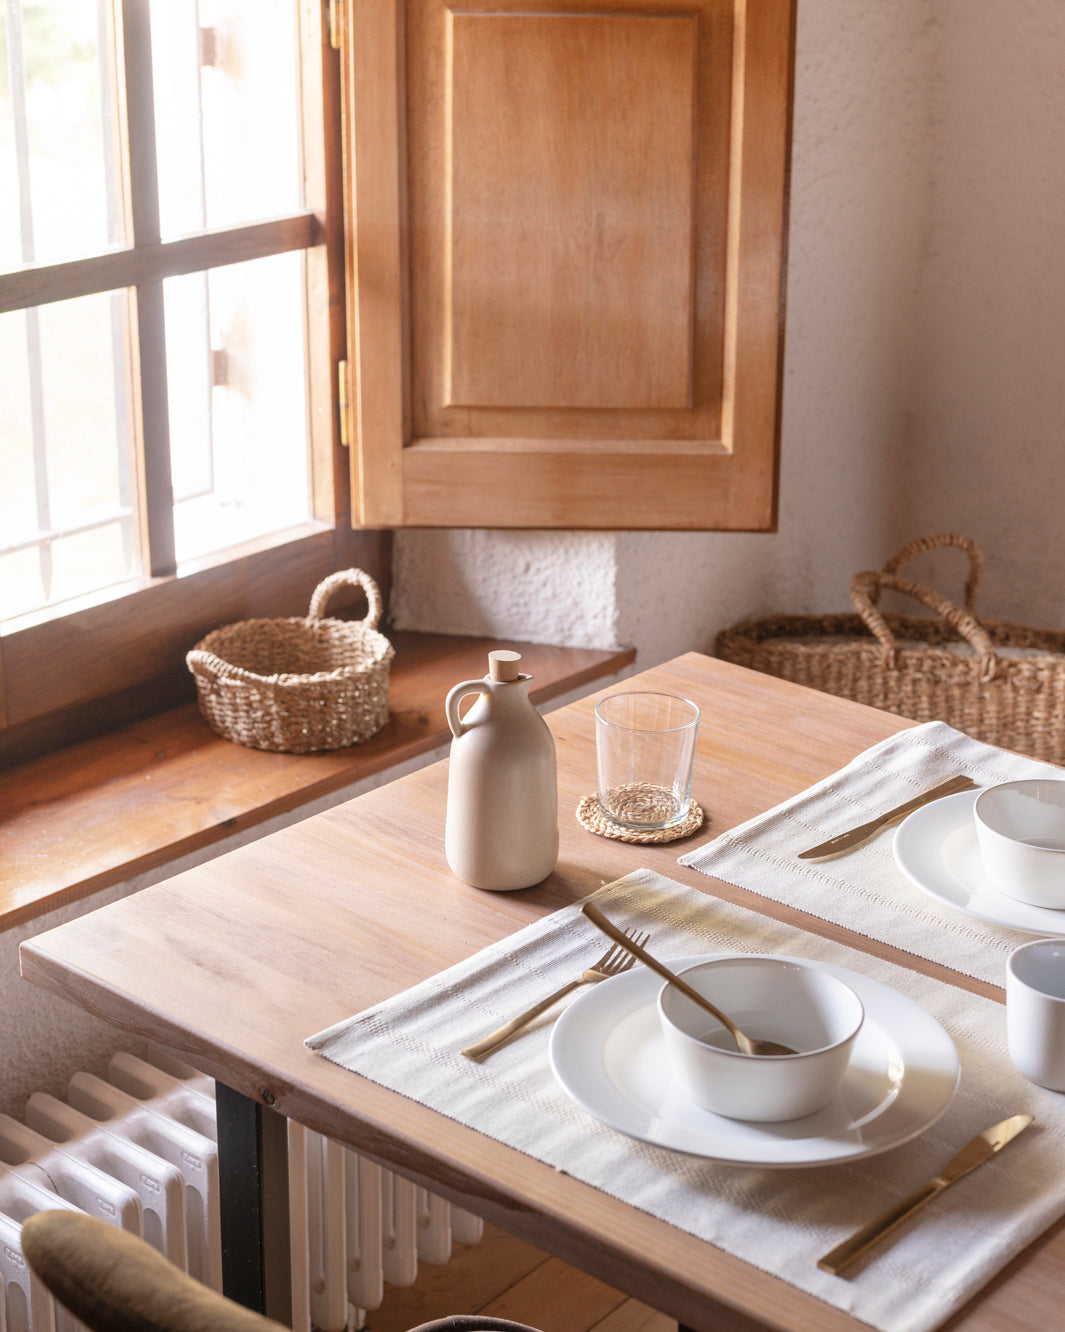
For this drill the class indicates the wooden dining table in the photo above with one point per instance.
(231, 965)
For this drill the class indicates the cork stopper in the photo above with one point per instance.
(504, 665)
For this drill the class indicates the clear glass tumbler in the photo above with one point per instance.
(645, 746)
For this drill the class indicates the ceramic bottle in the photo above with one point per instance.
(502, 793)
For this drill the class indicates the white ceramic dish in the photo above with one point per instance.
(936, 848)
(801, 1006)
(608, 1054)
(1020, 829)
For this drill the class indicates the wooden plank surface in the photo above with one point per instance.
(91, 815)
(234, 963)
(557, 300)
(502, 1277)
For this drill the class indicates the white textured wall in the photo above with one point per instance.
(923, 386)
(543, 587)
(987, 448)
(45, 1038)
(860, 156)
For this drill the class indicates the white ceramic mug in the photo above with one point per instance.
(1035, 1011)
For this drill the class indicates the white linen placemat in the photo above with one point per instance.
(779, 1220)
(865, 890)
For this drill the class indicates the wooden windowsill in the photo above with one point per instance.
(98, 813)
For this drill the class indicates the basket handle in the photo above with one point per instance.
(357, 578)
(217, 669)
(922, 544)
(963, 622)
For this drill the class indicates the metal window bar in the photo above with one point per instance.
(16, 68)
(205, 54)
(122, 513)
(119, 304)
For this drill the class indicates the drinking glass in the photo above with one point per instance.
(645, 747)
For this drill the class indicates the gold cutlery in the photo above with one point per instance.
(613, 962)
(746, 1044)
(854, 837)
(974, 1153)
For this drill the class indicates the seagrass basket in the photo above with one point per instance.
(998, 682)
(297, 685)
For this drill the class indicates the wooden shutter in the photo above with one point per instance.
(566, 230)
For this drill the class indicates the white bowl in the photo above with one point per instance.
(769, 998)
(1020, 829)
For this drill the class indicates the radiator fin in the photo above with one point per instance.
(139, 1150)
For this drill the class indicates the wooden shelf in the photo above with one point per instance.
(83, 818)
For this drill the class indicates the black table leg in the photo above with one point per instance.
(253, 1184)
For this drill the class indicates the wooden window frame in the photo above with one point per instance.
(73, 670)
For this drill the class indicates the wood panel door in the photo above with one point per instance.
(565, 260)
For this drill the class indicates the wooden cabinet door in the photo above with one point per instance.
(565, 233)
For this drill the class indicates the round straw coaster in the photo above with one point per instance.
(590, 815)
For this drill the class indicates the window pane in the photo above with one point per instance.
(20, 582)
(227, 111)
(89, 560)
(17, 495)
(56, 100)
(238, 403)
(66, 515)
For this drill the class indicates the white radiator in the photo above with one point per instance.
(139, 1151)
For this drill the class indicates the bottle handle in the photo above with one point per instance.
(455, 697)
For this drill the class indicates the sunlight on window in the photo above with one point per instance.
(66, 506)
(236, 472)
(57, 174)
(226, 89)
(226, 112)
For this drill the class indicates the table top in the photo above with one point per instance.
(233, 964)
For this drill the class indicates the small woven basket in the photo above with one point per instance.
(1000, 683)
(297, 685)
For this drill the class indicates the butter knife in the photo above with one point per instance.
(974, 1153)
(853, 837)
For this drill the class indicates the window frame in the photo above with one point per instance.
(76, 668)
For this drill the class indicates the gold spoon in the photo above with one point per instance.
(744, 1043)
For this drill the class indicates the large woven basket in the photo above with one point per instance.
(1000, 683)
(297, 685)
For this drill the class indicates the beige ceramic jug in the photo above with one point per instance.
(502, 791)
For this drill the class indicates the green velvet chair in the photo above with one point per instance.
(114, 1282)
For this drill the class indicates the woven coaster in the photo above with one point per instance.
(591, 816)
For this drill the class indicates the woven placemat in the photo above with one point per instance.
(590, 815)
(781, 1221)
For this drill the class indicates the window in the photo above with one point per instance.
(166, 344)
(566, 265)
(543, 244)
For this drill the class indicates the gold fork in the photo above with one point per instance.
(613, 962)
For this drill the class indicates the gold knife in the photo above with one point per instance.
(974, 1153)
(847, 841)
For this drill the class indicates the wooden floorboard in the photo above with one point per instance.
(508, 1278)
(554, 1296)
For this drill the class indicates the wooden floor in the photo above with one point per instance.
(508, 1278)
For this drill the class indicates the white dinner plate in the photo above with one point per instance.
(936, 848)
(608, 1054)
